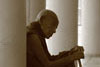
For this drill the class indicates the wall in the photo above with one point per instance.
(12, 33)
(66, 35)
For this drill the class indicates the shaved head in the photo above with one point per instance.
(46, 14)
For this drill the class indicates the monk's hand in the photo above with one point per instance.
(77, 53)
(63, 53)
(77, 48)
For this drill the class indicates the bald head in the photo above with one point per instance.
(46, 14)
(48, 21)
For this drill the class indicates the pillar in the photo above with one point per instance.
(33, 7)
(12, 33)
(90, 36)
(66, 35)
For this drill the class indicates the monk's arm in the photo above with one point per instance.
(39, 51)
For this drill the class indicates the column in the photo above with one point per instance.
(90, 37)
(33, 7)
(66, 35)
(12, 33)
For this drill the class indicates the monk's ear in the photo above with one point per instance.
(42, 20)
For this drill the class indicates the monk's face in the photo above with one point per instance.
(49, 26)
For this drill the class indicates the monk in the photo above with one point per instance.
(38, 55)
